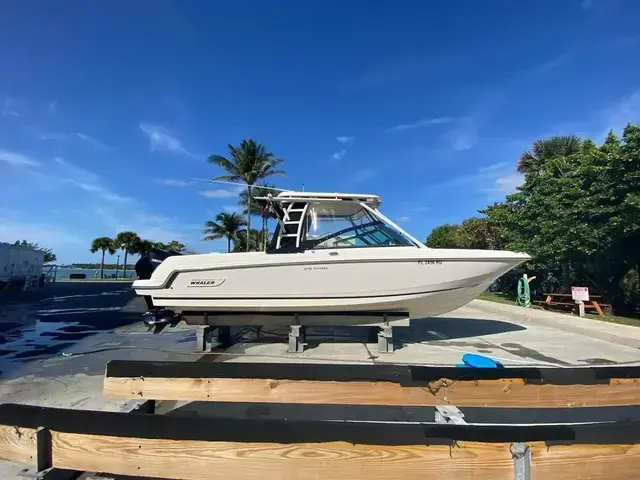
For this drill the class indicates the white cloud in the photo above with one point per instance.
(87, 181)
(69, 137)
(8, 109)
(507, 184)
(52, 107)
(46, 235)
(339, 155)
(625, 111)
(161, 139)
(421, 123)
(173, 183)
(404, 219)
(496, 180)
(345, 139)
(586, 4)
(493, 166)
(91, 140)
(148, 225)
(219, 193)
(17, 159)
(363, 175)
(464, 135)
(56, 137)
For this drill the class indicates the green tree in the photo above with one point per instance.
(259, 207)
(480, 233)
(546, 150)
(226, 226)
(444, 236)
(145, 246)
(248, 162)
(583, 217)
(173, 245)
(49, 256)
(129, 242)
(103, 244)
(241, 244)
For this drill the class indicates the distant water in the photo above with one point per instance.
(63, 273)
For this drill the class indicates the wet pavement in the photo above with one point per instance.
(37, 335)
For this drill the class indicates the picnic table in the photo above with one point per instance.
(565, 301)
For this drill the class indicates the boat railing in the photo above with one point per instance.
(51, 274)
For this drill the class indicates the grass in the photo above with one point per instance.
(634, 322)
(500, 297)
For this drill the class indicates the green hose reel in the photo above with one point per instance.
(524, 293)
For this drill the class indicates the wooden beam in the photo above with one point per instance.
(588, 462)
(494, 393)
(252, 448)
(195, 460)
(598, 309)
(18, 444)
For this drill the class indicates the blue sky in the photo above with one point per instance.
(109, 109)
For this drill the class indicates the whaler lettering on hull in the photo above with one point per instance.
(208, 282)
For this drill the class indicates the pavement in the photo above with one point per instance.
(54, 345)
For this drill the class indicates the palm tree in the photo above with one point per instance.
(129, 242)
(104, 244)
(249, 162)
(258, 207)
(544, 150)
(241, 243)
(226, 225)
(542, 153)
(145, 246)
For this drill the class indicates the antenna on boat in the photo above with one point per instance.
(239, 184)
(303, 187)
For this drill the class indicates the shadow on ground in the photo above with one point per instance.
(41, 324)
(421, 330)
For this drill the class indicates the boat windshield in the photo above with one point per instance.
(347, 224)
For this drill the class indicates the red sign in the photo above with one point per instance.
(580, 293)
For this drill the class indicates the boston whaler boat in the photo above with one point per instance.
(334, 259)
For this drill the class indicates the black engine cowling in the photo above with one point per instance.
(149, 262)
(145, 267)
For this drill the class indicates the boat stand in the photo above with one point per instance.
(382, 332)
(204, 337)
(297, 339)
(385, 339)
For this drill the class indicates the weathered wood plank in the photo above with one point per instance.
(504, 393)
(18, 444)
(586, 462)
(195, 460)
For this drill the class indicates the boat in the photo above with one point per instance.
(334, 259)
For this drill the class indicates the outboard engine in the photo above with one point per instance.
(155, 317)
(149, 262)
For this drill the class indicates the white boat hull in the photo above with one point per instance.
(418, 282)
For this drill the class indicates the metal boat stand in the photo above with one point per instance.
(297, 336)
(385, 336)
(382, 333)
(204, 337)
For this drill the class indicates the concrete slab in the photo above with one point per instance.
(513, 335)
